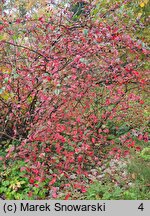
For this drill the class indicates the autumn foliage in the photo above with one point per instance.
(62, 83)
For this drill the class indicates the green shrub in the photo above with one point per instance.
(15, 185)
(145, 154)
(98, 191)
(109, 191)
(140, 168)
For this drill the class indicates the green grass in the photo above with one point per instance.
(138, 169)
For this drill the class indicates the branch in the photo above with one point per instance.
(27, 49)
(12, 138)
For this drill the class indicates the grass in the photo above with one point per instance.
(135, 187)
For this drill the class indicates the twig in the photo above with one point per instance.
(3, 133)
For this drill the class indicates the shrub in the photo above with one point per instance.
(16, 184)
(145, 154)
(61, 83)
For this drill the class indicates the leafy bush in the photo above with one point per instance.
(140, 168)
(135, 187)
(109, 191)
(61, 84)
(137, 193)
(15, 183)
(145, 154)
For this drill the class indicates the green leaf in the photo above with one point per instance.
(16, 76)
(111, 137)
(6, 79)
(15, 37)
(95, 11)
(1, 37)
(85, 32)
(6, 183)
(2, 89)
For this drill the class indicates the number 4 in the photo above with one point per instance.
(141, 207)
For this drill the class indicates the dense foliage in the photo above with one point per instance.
(70, 85)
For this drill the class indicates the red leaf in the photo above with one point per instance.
(18, 21)
(80, 158)
(93, 140)
(67, 196)
(83, 189)
(41, 19)
(54, 195)
(77, 186)
(141, 102)
(1, 27)
(31, 181)
(52, 181)
(126, 153)
(35, 171)
(140, 137)
(30, 194)
(138, 148)
(135, 73)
